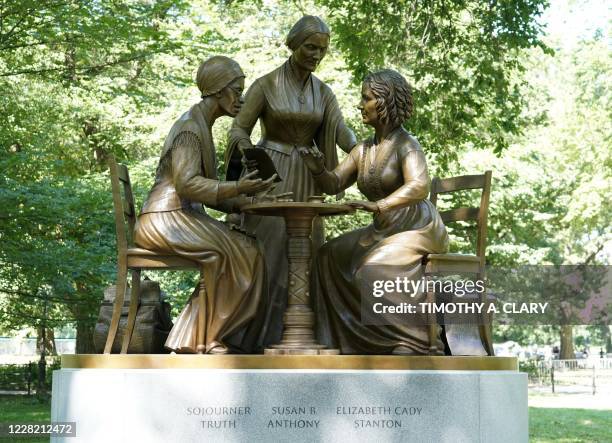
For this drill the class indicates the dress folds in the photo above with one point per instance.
(173, 220)
(394, 174)
(291, 116)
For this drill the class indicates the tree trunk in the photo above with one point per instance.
(607, 337)
(85, 315)
(49, 344)
(567, 342)
(91, 129)
(41, 389)
(84, 337)
(44, 343)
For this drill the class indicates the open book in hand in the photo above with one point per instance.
(265, 165)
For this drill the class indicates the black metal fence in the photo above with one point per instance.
(23, 378)
(571, 376)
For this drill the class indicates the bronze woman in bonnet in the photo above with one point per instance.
(391, 171)
(173, 218)
(295, 109)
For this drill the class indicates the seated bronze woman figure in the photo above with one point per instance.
(391, 171)
(173, 219)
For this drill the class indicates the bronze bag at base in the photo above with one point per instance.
(153, 321)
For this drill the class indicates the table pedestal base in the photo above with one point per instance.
(298, 334)
(298, 321)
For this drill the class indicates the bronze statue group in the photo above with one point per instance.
(301, 128)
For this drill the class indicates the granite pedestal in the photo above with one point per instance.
(293, 405)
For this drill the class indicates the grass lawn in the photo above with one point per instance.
(21, 408)
(558, 425)
(562, 425)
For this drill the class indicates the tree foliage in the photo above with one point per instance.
(70, 39)
(549, 203)
(463, 57)
(77, 81)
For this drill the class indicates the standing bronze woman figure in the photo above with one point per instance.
(295, 109)
(391, 171)
(174, 220)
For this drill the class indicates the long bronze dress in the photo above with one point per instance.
(290, 117)
(394, 174)
(173, 220)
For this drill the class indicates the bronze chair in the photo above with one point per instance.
(137, 260)
(463, 263)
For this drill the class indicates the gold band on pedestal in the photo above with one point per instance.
(325, 362)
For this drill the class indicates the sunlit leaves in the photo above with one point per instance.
(463, 57)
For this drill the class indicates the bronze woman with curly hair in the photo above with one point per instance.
(391, 171)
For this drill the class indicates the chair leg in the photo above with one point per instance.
(131, 320)
(486, 332)
(432, 326)
(117, 305)
(202, 298)
(487, 338)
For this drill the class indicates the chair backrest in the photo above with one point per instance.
(461, 183)
(123, 204)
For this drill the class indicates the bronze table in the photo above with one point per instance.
(298, 322)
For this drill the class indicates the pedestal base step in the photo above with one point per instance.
(280, 350)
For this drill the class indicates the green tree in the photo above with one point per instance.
(465, 59)
(549, 204)
(77, 80)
